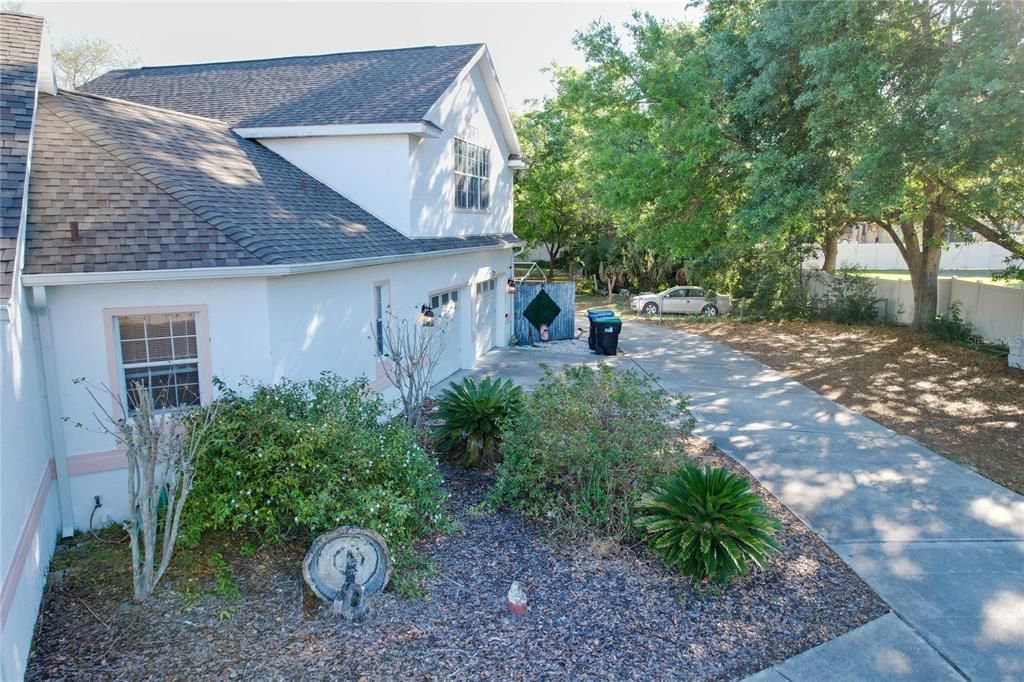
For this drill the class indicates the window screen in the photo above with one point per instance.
(159, 354)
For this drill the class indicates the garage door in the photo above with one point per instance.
(447, 313)
(485, 312)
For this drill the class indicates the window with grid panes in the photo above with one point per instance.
(159, 354)
(472, 176)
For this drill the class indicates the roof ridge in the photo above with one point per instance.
(146, 171)
(294, 56)
(149, 107)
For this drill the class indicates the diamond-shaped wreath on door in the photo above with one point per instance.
(542, 310)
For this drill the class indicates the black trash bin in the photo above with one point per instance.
(608, 330)
(593, 315)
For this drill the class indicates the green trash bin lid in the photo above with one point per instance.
(609, 320)
(600, 312)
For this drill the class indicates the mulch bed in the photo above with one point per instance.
(598, 612)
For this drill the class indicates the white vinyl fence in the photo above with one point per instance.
(996, 312)
(960, 256)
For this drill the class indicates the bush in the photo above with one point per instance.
(708, 524)
(849, 298)
(471, 416)
(296, 459)
(953, 328)
(585, 445)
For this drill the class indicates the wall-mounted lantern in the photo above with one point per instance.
(426, 316)
(510, 287)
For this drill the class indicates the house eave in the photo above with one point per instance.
(69, 278)
(420, 129)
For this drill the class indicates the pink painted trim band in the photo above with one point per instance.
(97, 462)
(28, 533)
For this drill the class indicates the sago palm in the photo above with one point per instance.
(708, 524)
(471, 414)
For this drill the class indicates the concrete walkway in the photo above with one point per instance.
(942, 545)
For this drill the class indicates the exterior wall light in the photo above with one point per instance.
(426, 316)
(511, 287)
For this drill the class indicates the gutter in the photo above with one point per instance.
(416, 128)
(63, 278)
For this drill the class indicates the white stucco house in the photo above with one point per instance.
(248, 219)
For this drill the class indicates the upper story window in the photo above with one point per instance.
(472, 176)
(160, 353)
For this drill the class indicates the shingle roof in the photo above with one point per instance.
(20, 36)
(154, 189)
(383, 86)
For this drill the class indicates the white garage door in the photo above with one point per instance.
(447, 315)
(485, 315)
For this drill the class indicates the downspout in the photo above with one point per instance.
(54, 435)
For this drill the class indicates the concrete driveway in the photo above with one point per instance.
(942, 545)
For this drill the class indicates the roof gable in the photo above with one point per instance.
(352, 88)
(265, 211)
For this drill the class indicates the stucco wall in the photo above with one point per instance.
(323, 321)
(408, 182)
(433, 186)
(30, 521)
(261, 328)
(239, 347)
(371, 170)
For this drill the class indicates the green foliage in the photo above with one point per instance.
(587, 442)
(471, 416)
(767, 279)
(708, 524)
(849, 298)
(224, 577)
(295, 459)
(776, 125)
(953, 328)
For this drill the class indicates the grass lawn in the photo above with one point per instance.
(968, 275)
(959, 402)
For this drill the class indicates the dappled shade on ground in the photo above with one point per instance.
(959, 402)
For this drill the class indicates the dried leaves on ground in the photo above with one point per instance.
(964, 404)
(598, 612)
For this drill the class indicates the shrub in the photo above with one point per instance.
(299, 458)
(585, 445)
(849, 298)
(471, 415)
(708, 524)
(952, 327)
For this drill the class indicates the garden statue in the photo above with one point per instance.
(346, 568)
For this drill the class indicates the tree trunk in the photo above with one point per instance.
(830, 245)
(923, 255)
(553, 250)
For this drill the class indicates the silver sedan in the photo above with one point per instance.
(683, 300)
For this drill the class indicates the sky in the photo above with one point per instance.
(523, 38)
